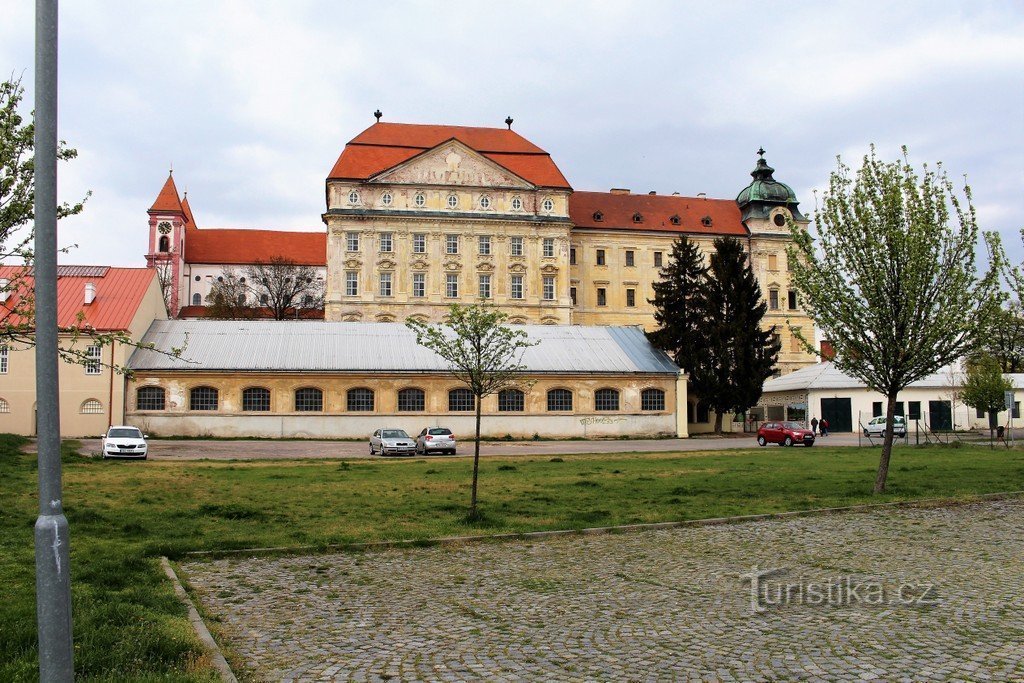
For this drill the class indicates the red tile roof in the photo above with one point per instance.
(385, 145)
(188, 211)
(167, 201)
(617, 211)
(241, 246)
(119, 293)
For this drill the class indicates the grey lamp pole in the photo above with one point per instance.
(53, 567)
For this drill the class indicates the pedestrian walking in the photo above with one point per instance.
(823, 426)
(814, 425)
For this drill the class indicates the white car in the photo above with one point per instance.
(391, 442)
(124, 442)
(435, 439)
(877, 426)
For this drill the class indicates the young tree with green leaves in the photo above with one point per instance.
(735, 356)
(985, 387)
(890, 277)
(482, 352)
(677, 310)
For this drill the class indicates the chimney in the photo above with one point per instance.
(4, 293)
(675, 194)
(702, 195)
(653, 192)
(90, 292)
(619, 190)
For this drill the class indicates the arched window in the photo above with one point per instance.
(559, 400)
(652, 399)
(256, 400)
(511, 401)
(203, 398)
(165, 243)
(5, 407)
(197, 299)
(150, 398)
(460, 400)
(412, 400)
(91, 407)
(309, 400)
(359, 399)
(606, 399)
(240, 300)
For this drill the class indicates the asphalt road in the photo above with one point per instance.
(178, 449)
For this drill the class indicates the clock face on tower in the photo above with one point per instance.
(164, 227)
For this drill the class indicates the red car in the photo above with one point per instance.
(784, 434)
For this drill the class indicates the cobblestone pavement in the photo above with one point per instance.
(645, 606)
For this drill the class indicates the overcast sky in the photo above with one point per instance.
(253, 101)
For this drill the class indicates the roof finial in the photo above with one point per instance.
(171, 172)
(508, 122)
(760, 152)
(378, 114)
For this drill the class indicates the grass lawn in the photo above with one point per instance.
(123, 515)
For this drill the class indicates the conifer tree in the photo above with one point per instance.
(677, 310)
(736, 356)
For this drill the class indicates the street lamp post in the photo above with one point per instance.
(53, 566)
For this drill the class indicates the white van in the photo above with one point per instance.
(877, 426)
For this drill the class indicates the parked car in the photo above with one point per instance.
(435, 439)
(784, 434)
(876, 427)
(391, 442)
(123, 441)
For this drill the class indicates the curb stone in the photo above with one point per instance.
(624, 528)
(217, 656)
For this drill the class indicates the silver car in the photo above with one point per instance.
(877, 426)
(391, 442)
(435, 440)
(124, 442)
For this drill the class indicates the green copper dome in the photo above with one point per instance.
(765, 192)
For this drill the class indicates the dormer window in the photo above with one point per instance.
(676, 220)
(420, 200)
(517, 204)
(598, 216)
(353, 197)
(638, 217)
(548, 204)
(706, 221)
(453, 201)
(485, 202)
(386, 199)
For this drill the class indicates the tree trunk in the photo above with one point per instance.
(718, 422)
(476, 460)
(883, 463)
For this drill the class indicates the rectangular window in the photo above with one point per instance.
(351, 241)
(979, 412)
(794, 342)
(572, 295)
(549, 246)
(351, 283)
(602, 296)
(516, 246)
(92, 362)
(876, 409)
(419, 284)
(485, 286)
(792, 300)
(1016, 410)
(516, 288)
(914, 410)
(630, 255)
(3, 359)
(451, 244)
(419, 243)
(549, 288)
(484, 245)
(630, 298)
(451, 286)
(386, 242)
(657, 259)
(899, 408)
(600, 257)
(773, 299)
(572, 256)
(385, 284)
(773, 262)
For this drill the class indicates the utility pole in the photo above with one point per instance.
(53, 566)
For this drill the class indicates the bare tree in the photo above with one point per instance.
(278, 289)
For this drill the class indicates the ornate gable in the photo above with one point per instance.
(451, 163)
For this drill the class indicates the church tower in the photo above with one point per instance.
(168, 219)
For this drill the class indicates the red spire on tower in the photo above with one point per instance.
(167, 201)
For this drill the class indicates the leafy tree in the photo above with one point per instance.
(984, 387)
(735, 356)
(482, 352)
(278, 288)
(677, 305)
(1004, 338)
(891, 277)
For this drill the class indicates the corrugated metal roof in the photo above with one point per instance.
(828, 376)
(316, 346)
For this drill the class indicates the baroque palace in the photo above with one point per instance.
(422, 216)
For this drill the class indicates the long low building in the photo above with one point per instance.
(343, 380)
